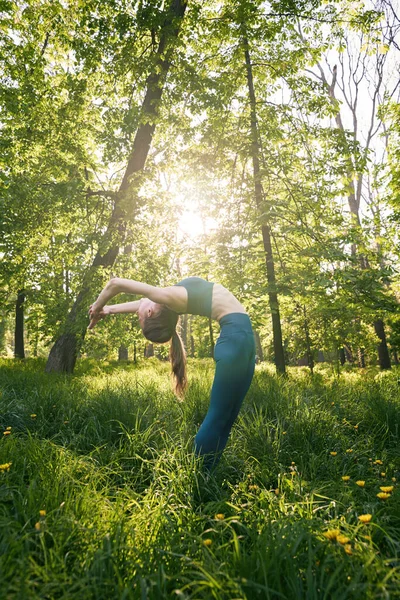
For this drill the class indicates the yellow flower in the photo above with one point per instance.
(333, 453)
(6, 432)
(331, 534)
(346, 477)
(332, 404)
(254, 486)
(284, 432)
(386, 488)
(65, 422)
(342, 539)
(5, 466)
(220, 517)
(383, 474)
(276, 492)
(378, 462)
(348, 549)
(360, 483)
(33, 415)
(349, 450)
(37, 526)
(355, 426)
(207, 542)
(8, 428)
(42, 513)
(293, 463)
(394, 479)
(365, 518)
(383, 496)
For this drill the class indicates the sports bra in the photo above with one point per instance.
(199, 295)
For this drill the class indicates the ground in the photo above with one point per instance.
(101, 496)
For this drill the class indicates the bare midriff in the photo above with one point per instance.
(224, 303)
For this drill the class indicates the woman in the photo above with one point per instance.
(234, 353)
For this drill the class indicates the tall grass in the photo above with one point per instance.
(127, 511)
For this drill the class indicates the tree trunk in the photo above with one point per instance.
(354, 199)
(395, 356)
(259, 349)
(310, 358)
(148, 350)
(265, 228)
(64, 353)
(191, 337)
(383, 351)
(134, 352)
(361, 358)
(349, 354)
(3, 325)
(123, 353)
(19, 347)
(342, 356)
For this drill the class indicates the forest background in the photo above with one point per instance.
(251, 143)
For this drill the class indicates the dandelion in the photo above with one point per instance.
(383, 496)
(293, 463)
(332, 404)
(42, 513)
(5, 466)
(383, 474)
(394, 479)
(8, 428)
(207, 542)
(276, 492)
(6, 432)
(386, 488)
(355, 426)
(378, 462)
(342, 539)
(331, 534)
(346, 477)
(37, 526)
(349, 450)
(284, 432)
(220, 517)
(333, 453)
(33, 415)
(365, 518)
(348, 549)
(254, 486)
(360, 483)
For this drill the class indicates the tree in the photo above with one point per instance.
(64, 352)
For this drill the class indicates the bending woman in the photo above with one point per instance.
(234, 353)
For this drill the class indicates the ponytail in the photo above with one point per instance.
(177, 357)
(160, 328)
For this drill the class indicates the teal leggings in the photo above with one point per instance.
(234, 356)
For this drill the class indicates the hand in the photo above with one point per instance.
(96, 314)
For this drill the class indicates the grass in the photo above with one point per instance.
(127, 512)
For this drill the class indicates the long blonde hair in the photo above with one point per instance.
(159, 328)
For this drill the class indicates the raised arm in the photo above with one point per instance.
(123, 308)
(174, 297)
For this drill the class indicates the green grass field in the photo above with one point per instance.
(101, 497)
